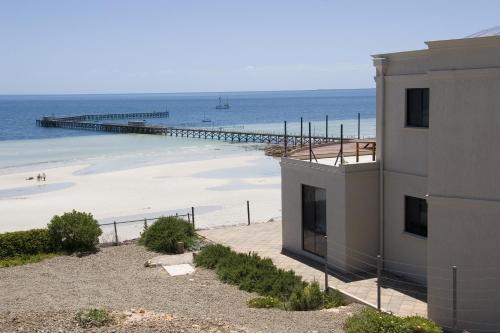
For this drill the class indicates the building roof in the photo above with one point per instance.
(495, 31)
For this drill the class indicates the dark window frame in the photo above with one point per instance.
(318, 228)
(416, 216)
(417, 107)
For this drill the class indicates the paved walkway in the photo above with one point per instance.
(265, 239)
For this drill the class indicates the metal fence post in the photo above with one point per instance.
(359, 125)
(192, 215)
(326, 264)
(454, 270)
(285, 142)
(248, 212)
(310, 143)
(116, 233)
(326, 129)
(301, 132)
(379, 280)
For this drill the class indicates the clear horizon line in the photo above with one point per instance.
(183, 92)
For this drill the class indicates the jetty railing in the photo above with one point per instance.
(93, 123)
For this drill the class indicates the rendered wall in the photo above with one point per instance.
(464, 183)
(352, 210)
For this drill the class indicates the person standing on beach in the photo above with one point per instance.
(43, 176)
(38, 178)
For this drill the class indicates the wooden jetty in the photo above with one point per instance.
(94, 123)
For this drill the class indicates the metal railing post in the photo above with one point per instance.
(379, 281)
(326, 129)
(341, 144)
(301, 133)
(454, 327)
(285, 141)
(326, 263)
(359, 125)
(310, 143)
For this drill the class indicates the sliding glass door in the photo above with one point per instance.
(314, 220)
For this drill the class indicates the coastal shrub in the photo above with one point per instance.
(252, 273)
(308, 298)
(210, 255)
(372, 321)
(94, 318)
(332, 299)
(25, 259)
(163, 235)
(249, 271)
(23, 243)
(265, 302)
(74, 232)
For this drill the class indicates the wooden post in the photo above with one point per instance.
(189, 218)
(145, 224)
(248, 212)
(116, 233)
(192, 215)
(373, 151)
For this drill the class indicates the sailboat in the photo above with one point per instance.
(221, 106)
(205, 119)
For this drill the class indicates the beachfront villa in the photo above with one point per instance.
(431, 198)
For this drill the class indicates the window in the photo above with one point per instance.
(416, 216)
(314, 220)
(417, 107)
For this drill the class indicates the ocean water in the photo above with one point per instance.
(25, 146)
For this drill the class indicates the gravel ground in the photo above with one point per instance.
(44, 297)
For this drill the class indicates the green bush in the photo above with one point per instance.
(333, 298)
(94, 318)
(74, 232)
(255, 274)
(372, 321)
(24, 259)
(163, 235)
(308, 298)
(210, 255)
(22, 243)
(266, 302)
(249, 271)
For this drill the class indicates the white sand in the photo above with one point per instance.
(145, 192)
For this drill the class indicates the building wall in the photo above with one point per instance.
(405, 163)
(352, 211)
(461, 178)
(464, 183)
(405, 253)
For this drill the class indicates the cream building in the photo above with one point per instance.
(431, 200)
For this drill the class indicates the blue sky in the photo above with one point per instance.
(51, 47)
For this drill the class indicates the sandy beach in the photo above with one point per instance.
(217, 187)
